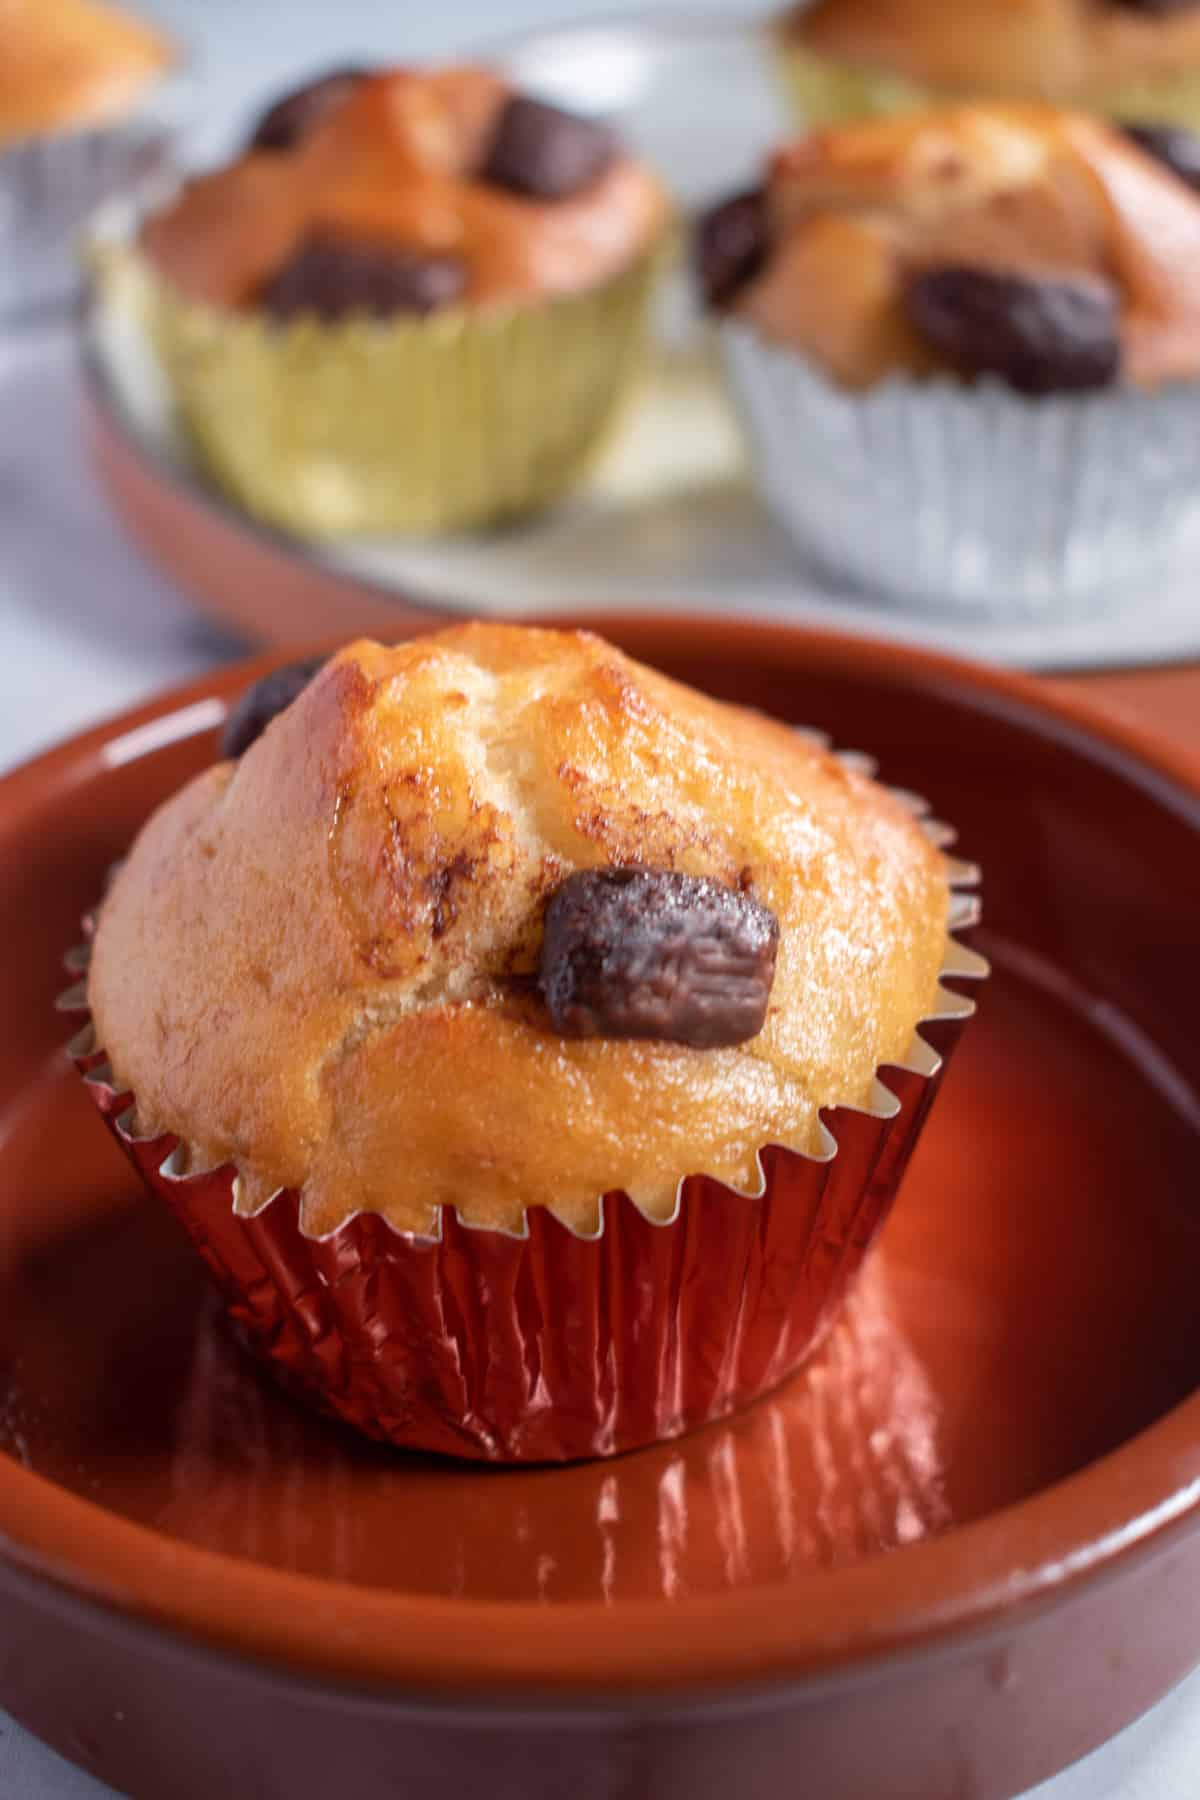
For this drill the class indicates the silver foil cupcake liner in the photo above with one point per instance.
(50, 186)
(973, 497)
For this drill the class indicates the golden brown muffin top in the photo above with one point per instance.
(1056, 49)
(400, 162)
(858, 217)
(68, 64)
(316, 962)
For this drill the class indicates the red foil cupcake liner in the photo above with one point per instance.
(553, 1346)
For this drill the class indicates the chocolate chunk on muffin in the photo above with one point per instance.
(331, 278)
(1042, 334)
(651, 953)
(262, 702)
(731, 245)
(545, 153)
(295, 115)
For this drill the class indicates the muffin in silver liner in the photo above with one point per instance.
(51, 184)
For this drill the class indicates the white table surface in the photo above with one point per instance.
(86, 629)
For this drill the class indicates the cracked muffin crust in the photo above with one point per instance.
(1018, 240)
(71, 64)
(320, 961)
(440, 164)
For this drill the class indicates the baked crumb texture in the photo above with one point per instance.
(401, 161)
(318, 963)
(852, 216)
(70, 64)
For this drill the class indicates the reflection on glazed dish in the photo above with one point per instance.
(873, 1438)
(842, 1465)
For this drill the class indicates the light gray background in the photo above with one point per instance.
(86, 628)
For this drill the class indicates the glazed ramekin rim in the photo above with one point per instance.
(971, 1580)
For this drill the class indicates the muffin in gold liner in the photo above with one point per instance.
(412, 309)
(457, 1221)
(842, 59)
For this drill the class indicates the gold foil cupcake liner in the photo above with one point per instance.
(463, 418)
(822, 90)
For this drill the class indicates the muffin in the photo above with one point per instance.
(965, 344)
(1131, 59)
(478, 1013)
(412, 304)
(82, 116)
(70, 64)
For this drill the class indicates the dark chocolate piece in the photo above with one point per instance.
(545, 153)
(332, 277)
(647, 953)
(1041, 334)
(289, 120)
(254, 711)
(731, 246)
(1173, 145)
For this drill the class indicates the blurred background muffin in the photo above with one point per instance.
(966, 346)
(1134, 59)
(84, 113)
(69, 64)
(414, 302)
